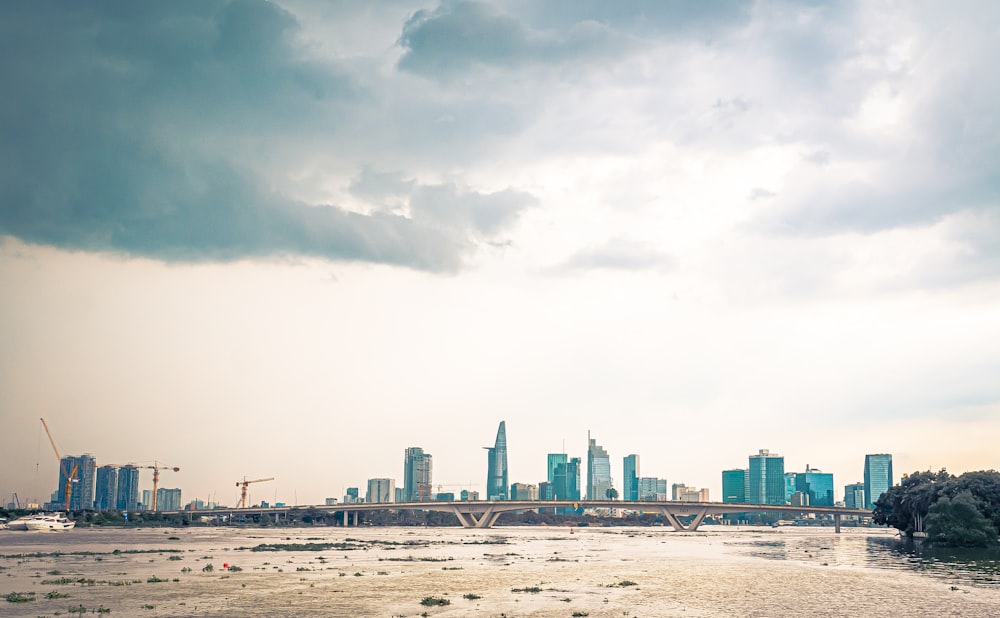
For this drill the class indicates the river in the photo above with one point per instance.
(510, 571)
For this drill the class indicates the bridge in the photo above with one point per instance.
(484, 514)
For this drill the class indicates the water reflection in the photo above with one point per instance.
(962, 564)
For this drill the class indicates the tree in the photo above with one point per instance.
(958, 522)
(985, 488)
(611, 493)
(907, 503)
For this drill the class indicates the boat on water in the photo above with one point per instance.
(44, 521)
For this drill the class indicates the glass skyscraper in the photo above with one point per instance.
(496, 467)
(817, 485)
(878, 477)
(630, 478)
(734, 486)
(566, 479)
(598, 471)
(854, 496)
(417, 468)
(766, 476)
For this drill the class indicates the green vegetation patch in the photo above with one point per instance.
(531, 589)
(20, 597)
(434, 601)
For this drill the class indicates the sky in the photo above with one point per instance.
(291, 239)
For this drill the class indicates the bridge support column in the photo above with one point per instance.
(354, 516)
(676, 523)
(486, 519)
(345, 519)
(836, 523)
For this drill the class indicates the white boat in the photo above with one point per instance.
(49, 521)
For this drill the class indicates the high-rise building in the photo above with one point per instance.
(469, 495)
(496, 466)
(546, 491)
(676, 490)
(652, 489)
(417, 469)
(352, 495)
(693, 494)
(147, 499)
(381, 490)
(106, 488)
(789, 485)
(766, 475)
(82, 491)
(878, 477)
(554, 459)
(567, 480)
(734, 486)
(168, 499)
(127, 497)
(854, 496)
(523, 491)
(630, 478)
(598, 471)
(816, 484)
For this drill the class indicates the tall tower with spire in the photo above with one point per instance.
(497, 486)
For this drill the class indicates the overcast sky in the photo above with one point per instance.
(293, 238)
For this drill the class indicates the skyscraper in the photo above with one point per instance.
(878, 477)
(766, 475)
(630, 478)
(734, 486)
(818, 485)
(381, 490)
(854, 496)
(128, 488)
(566, 479)
(106, 490)
(82, 490)
(598, 471)
(168, 499)
(417, 468)
(554, 459)
(496, 466)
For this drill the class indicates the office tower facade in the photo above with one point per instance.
(693, 494)
(676, 490)
(523, 491)
(854, 496)
(567, 479)
(496, 466)
(168, 499)
(816, 484)
(127, 497)
(546, 491)
(469, 495)
(598, 471)
(878, 477)
(381, 490)
(147, 499)
(106, 489)
(417, 474)
(766, 478)
(82, 491)
(734, 486)
(352, 495)
(652, 489)
(630, 478)
(553, 462)
(789, 485)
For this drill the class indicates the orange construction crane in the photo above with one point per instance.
(156, 467)
(243, 484)
(71, 475)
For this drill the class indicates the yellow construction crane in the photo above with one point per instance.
(71, 475)
(243, 484)
(156, 467)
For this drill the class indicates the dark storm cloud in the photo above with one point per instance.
(136, 127)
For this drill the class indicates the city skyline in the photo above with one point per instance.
(290, 239)
(764, 481)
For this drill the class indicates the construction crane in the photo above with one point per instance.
(156, 467)
(243, 484)
(70, 476)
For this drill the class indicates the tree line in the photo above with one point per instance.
(961, 511)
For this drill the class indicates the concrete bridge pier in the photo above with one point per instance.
(676, 523)
(836, 523)
(468, 519)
